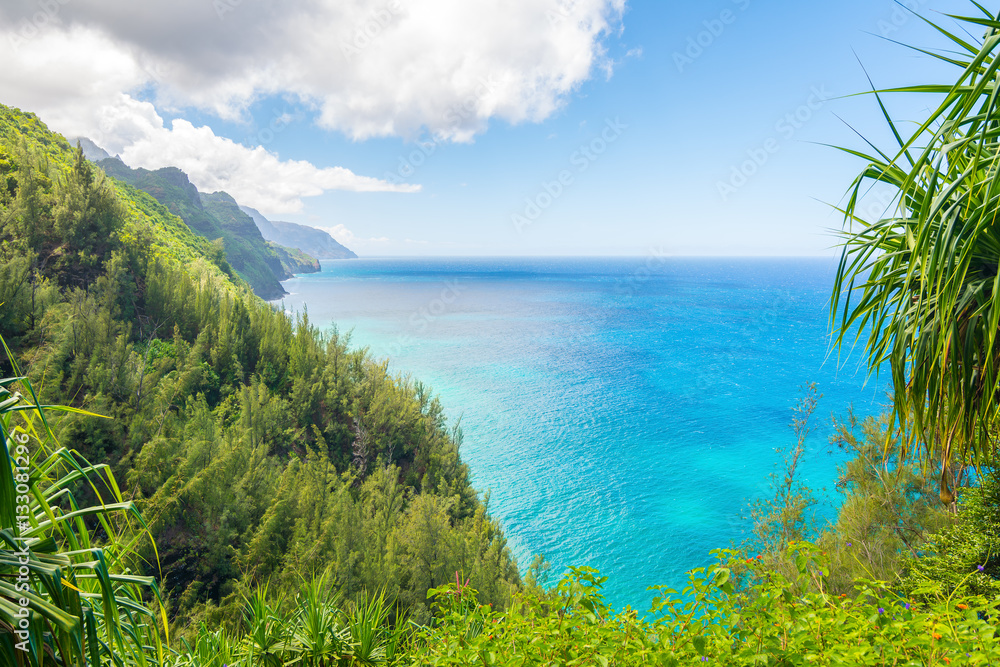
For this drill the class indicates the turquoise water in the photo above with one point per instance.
(620, 412)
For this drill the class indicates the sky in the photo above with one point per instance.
(490, 127)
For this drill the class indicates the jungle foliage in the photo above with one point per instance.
(258, 447)
(311, 508)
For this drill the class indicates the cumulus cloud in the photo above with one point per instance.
(71, 77)
(81, 96)
(370, 67)
(366, 68)
(254, 176)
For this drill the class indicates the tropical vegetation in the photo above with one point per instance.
(258, 448)
(923, 282)
(68, 595)
(218, 218)
(284, 499)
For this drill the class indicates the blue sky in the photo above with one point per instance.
(657, 186)
(649, 156)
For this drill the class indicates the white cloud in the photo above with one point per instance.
(369, 67)
(80, 96)
(346, 237)
(451, 65)
(67, 77)
(255, 177)
(366, 68)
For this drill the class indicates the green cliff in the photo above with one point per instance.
(259, 448)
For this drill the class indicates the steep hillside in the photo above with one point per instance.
(312, 241)
(283, 262)
(294, 261)
(17, 128)
(258, 448)
(238, 224)
(245, 248)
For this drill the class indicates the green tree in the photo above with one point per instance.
(260, 448)
(964, 556)
(890, 506)
(922, 284)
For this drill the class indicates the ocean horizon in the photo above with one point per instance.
(620, 412)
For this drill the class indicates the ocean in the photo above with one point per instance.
(621, 413)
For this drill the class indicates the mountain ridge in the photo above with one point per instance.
(216, 217)
(315, 242)
(258, 447)
(284, 248)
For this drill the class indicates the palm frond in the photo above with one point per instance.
(923, 284)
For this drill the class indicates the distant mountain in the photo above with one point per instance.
(312, 241)
(217, 216)
(286, 261)
(295, 261)
(91, 151)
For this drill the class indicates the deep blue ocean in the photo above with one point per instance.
(620, 412)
